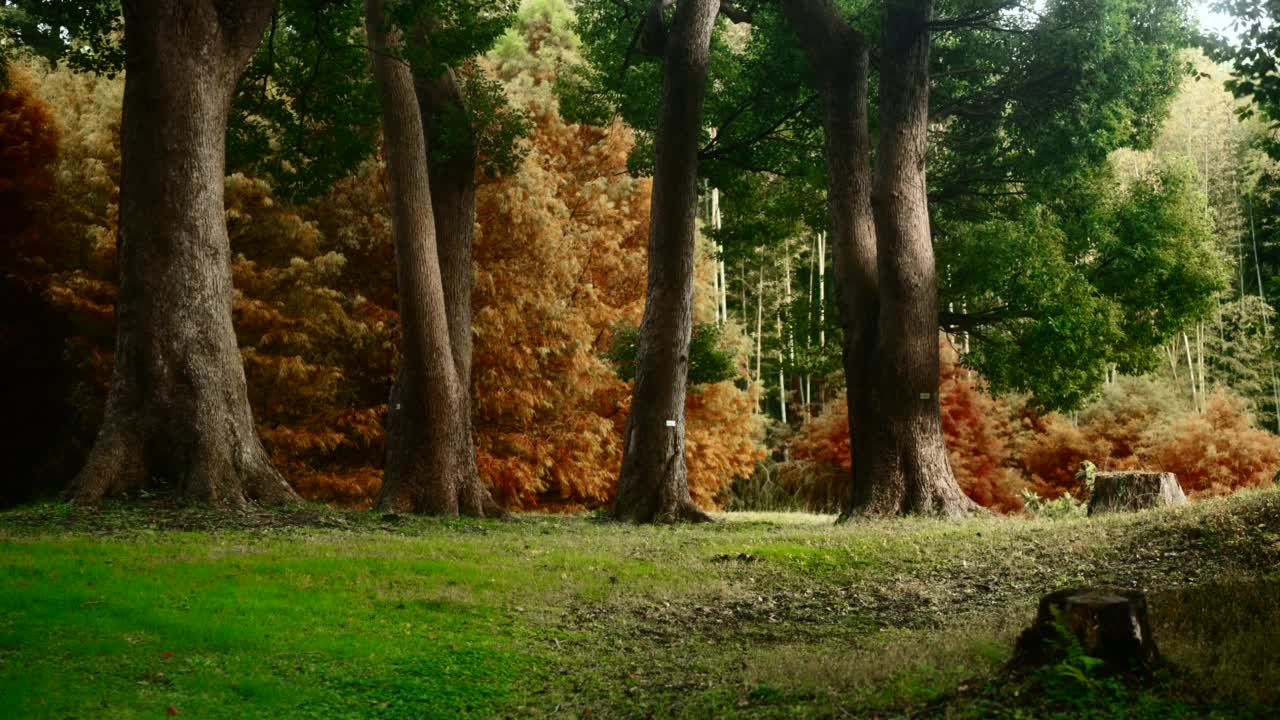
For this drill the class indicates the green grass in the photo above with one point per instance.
(131, 610)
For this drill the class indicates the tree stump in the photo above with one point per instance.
(1129, 491)
(1113, 626)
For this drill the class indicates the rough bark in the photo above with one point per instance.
(430, 458)
(1131, 491)
(1111, 625)
(839, 58)
(452, 160)
(911, 472)
(653, 485)
(178, 409)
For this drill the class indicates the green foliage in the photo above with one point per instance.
(1240, 352)
(1254, 54)
(1060, 508)
(1103, 276)
(1087, 474)
(306, 112)
(709, 361)
(85, 34)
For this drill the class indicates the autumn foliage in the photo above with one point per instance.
(999, 448)
(559, 262)
(980, 432)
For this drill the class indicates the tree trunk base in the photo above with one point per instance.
(220, 471)
(1113, 626)
(1131, 491)
(919, 483)
(681, 512)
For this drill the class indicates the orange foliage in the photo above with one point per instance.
(317, 358)
(979, 430)
(1054, 456)
(1215, 452)
(559, 261)
(1138, 424)
(28, 149)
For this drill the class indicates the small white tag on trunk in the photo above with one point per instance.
(671, 423)
(926, 396)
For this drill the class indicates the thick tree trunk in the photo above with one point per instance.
(839, 57)
(451, 167)
(653, 485)
(429, 455)
(911, 472)
(178, 410)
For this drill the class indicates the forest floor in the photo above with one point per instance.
(142, 610)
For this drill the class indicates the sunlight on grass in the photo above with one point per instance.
(763, 615)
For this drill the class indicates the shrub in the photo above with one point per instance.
(1215, 452)
(981, 433)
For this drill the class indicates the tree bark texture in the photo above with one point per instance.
(653, 485)
(451, 167)
(1130, 491)
(430, 455)
(1113, 626)
(178, 409)
(911, 471)
(839, 57)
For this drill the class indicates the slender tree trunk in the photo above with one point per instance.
(430, 461)
(1200, 357)
(911, 473)
(822, 286)
(839, 57)
(782, 367)
(1191, 373)
(760, 325)
(178, 409)
(653, 485)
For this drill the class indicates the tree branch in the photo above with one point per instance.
(736, 14)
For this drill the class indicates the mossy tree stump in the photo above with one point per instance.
(1130, 491)
(1113, 626)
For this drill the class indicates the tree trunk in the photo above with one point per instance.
(451, 168)
(178, 409)
(839, 58)
(759, 378)
(912, 473)
(430, 458)
(653, 485)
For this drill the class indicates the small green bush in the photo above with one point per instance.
(709, 361)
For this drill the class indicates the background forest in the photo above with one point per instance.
(1108, 275)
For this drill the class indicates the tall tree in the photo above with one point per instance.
(883, 252)
(430, 452)
(912, 473)
(839, 57)
(653, 485)
(178, 409)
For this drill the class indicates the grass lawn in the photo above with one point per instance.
(146, 611)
